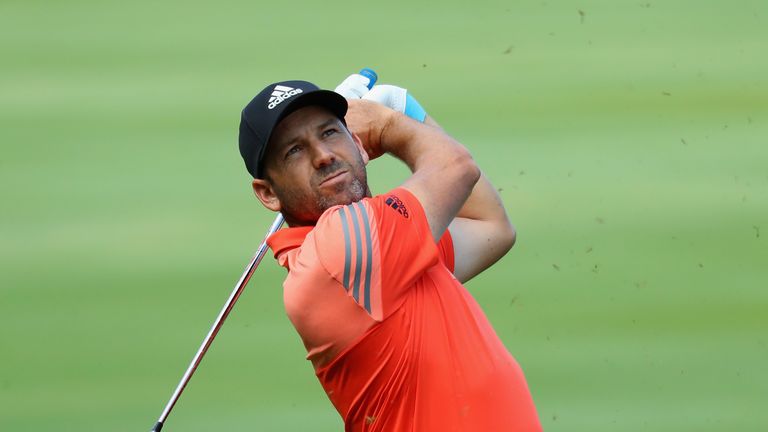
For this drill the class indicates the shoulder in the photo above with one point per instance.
(345, 221)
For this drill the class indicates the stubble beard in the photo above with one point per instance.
(356, 191)
(306, 209)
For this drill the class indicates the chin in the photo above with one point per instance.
(353, 192)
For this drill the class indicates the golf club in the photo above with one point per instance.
(230, 303)
(249, 269)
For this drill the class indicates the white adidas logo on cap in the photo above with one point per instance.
(281, 93)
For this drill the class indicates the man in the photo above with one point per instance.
(374, 283)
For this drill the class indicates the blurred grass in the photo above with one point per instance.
(628, 140)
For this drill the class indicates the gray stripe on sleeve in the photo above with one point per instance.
(358, 254)
(347, 246)
(368, 257)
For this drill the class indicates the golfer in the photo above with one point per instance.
(374, 285)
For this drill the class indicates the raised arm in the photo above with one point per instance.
(443, 171)
(482, 232)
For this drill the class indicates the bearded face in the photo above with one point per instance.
(312, 163)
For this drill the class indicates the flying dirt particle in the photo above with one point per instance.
(725, 127)
(600, 220)
(757, 231)
(514, 299)
(666, 93)
(551, 33)
(647, 5)
(595, 269)
(570, 174)
(582, 15)
(556, 267)
(369, 420)
(548, 339)
(682, 140)
(589, 249)
(500, 189)
(554, 417)
(522, 173)
(424, 65)
(701, 265)
(634, 321)
(509, 50)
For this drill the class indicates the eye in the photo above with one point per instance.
(328, 132)
(293, 150)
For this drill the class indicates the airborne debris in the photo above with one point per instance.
(757, 231)
(600, 220)
(509, 50)
(589, 249)
(666, 93)
(556, 267)
(582, 14)
(682, 140)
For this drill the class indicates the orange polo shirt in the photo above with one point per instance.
(396, 341)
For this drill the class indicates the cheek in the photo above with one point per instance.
(292, 188)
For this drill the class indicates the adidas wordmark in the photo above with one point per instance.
(281, 93)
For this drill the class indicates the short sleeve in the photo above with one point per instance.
(377, 249)
(445, 249)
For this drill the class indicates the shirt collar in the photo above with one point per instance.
(287, 239)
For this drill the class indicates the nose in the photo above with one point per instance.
(322, 155)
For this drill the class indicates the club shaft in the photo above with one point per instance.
(249, 269)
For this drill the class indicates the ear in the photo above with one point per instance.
(264, 192)
(360, 148)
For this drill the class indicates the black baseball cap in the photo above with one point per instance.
(262, 114)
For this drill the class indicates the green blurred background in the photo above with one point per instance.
(628, 140)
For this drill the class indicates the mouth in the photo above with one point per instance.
(332, 177)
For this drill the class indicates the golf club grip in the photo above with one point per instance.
(371, 75)
(158, 427)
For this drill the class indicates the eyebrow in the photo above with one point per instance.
(285, 145)
(327, 123)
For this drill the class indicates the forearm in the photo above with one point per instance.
(484, 203)
(421, 146)
(444, 172)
